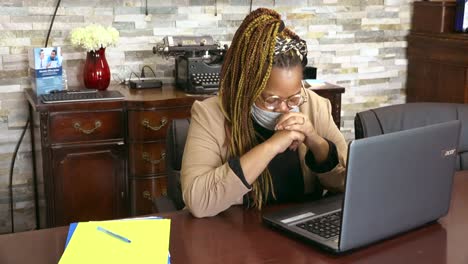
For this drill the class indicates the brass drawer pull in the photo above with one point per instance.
(146, 124)
(97, 125)
(147, 195)
(146, 157)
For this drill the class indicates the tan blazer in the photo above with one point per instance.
(209, 186)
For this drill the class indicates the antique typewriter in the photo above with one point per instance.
(198, 61)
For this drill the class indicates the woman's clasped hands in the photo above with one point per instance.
(291, 130)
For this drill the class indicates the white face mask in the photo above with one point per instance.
(267, 119)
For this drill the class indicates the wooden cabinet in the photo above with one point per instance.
(105, 160)
(149, 114)
(437, 57)
(83, 159)
(88, 183)
(147, 151)
(333, 93)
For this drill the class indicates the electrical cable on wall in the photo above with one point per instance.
(133, 73)
(52, 23)
(143, 75)
(18, 144)
(12, 166)
(146, 7)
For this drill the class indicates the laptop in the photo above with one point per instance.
(395, 182)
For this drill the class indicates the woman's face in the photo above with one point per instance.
(284, 83)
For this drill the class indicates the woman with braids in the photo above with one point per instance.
(265, 138)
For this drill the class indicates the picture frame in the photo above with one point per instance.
(45, 69)
(461, 20)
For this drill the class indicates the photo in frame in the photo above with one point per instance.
(45, 69)
(461, 21)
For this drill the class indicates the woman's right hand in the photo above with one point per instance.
(283, 139)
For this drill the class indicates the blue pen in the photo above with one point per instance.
(124, 239)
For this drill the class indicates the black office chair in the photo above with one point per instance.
(309, 72)
(411, 115)
(175, 143)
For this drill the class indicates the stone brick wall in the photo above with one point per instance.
(359, 44)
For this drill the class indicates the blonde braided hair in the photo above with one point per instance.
(244, 74)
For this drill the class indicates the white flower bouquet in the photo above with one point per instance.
(94, 37)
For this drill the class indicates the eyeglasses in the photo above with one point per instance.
(273, 102)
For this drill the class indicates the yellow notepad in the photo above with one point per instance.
(149, 242)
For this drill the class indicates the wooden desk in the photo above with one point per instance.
(106, 159)
(238, 236)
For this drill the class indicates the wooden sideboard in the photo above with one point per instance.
(333, 93)
(106, 159)
(82, 159)
(437, 57)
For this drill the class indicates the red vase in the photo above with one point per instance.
(96, 70)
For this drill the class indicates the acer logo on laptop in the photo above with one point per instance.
(450, 152)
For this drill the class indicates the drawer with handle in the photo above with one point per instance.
(152, 125)
(86, 126)
(147, 159)
(143, 190)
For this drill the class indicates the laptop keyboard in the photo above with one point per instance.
(326, 226)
